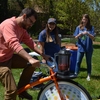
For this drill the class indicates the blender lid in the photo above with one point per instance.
(64, 51)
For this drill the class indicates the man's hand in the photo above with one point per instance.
(34, 62)
(46, 57)
(43, 61)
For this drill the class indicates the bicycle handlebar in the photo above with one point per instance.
(51, 60)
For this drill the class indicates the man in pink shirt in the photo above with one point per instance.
(12, 54)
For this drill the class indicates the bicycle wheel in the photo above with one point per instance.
(71, 91)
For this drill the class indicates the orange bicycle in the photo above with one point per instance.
(58, 88)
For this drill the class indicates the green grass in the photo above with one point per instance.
(97, 38)
(93, 86)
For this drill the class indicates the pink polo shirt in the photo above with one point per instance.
(11, 35)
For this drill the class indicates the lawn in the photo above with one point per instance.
(93, 86)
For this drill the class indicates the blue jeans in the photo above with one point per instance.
(88, 61)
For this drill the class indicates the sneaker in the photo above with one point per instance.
(25, 95)
(75, 74)
(88, 78)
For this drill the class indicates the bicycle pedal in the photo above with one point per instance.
(21, 98)
(25, 95)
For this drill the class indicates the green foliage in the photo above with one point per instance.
(67, 12)
(97, 38)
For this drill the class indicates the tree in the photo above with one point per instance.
(67, 12)
(3, 10)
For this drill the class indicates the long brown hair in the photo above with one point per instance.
(88, 25)
(48, 37)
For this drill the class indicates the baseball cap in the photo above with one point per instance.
(51, 20)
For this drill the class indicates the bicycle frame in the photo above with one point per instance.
(52, 77)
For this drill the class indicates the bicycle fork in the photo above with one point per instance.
(57, 87)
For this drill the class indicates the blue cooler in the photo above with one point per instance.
(73, 60)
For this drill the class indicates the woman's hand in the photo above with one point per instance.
(79, 35)
(85, 32)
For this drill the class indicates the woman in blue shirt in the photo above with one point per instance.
(48, 38)
(85, 35)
